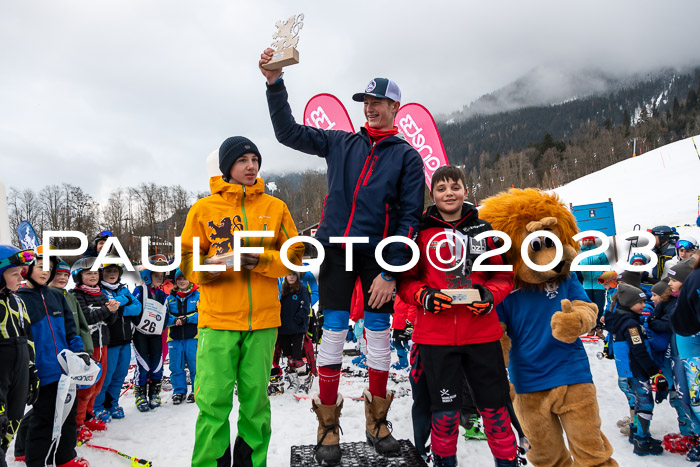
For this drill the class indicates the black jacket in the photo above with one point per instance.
(295, 312)
(625, 326)
(97, 315)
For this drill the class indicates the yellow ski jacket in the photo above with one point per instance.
(243, 300)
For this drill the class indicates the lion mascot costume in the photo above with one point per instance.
(542, 320)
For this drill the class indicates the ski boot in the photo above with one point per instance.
(117, 412)
(154, 394)
(140, 398)
(76, 462)
(103, 416)
(178, 398)
(679, 444)
(693, 454)
(293, 382)
(327, 450)
(305, 387)
(276, 385)
(401, 364)
(165, 384)
(448, 461)
(360, 361)
(190, 398)
(376, 425)
(84, 434)
(643, 446)
(472, 428)
(515, 462)
(95, 425)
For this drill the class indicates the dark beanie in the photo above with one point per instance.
(632, 278)
(233, 148)
(629, 295)
(660, 287)
(681, 270)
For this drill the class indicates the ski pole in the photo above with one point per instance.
(135, 461)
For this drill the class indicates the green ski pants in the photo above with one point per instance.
(225, 358)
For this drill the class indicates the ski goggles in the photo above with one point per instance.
(104, 234)
(21, 258)
(158, 260)
(685, 244)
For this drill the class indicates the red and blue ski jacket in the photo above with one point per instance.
(374, 190)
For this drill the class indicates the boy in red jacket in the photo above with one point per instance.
(448, 336)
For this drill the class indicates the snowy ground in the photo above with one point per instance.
(166, 436)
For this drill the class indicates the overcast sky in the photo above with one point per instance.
(102, 94)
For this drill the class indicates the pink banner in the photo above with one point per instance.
(416, 123)
(326, 112)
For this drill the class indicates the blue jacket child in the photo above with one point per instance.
(183, 316)
(633, 359)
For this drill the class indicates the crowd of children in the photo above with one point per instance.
(654, 361)
(97, 319)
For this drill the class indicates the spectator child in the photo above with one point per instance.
(182, 342)
(19, 380)
(54, 330)
(295, 303)
(99, 313)
(148, 345)
(634, 361)
(119, 347)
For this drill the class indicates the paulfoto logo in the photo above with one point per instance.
(456, 246)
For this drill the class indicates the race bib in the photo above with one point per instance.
(153, 316)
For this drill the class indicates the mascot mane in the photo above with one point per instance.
(511, 211)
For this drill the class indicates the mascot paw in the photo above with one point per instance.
(575, 318)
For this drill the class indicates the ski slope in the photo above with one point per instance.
(659, 187)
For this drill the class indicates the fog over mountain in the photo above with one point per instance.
(551, 84)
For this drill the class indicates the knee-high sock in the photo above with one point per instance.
(499, 433)
(378, 360)
(330, 357)
(444, 429)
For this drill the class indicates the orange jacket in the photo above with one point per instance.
(238, 300)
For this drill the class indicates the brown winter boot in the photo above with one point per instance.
(327, 450)
(377, 427)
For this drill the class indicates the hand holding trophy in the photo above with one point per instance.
(283, 51)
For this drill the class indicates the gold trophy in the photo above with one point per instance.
(286, 39)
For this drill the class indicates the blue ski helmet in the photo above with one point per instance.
(156, 260)
(12, 257)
